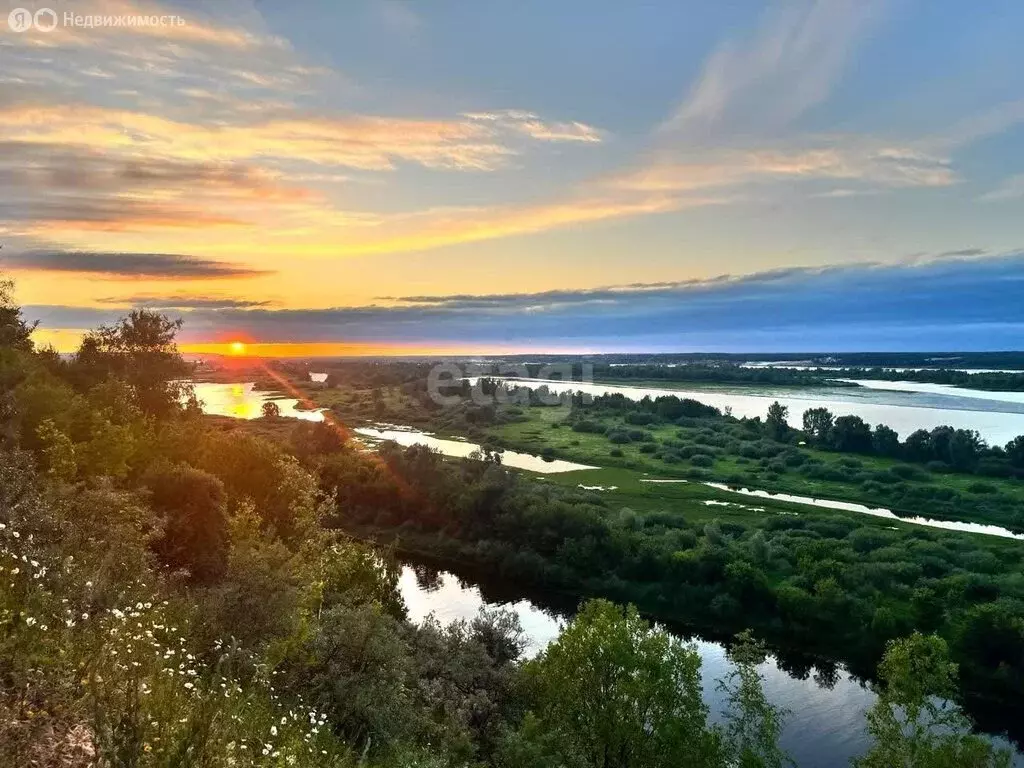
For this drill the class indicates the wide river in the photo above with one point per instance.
(904, 405)
(825, 723)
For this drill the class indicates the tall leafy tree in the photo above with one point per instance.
(776, 420)
(15, 339)
(885, 441)
(14, 331)
(818, 425)
(851, 434)
(140, 350)
(964, 447)
(914, 723)
(620, 693)
(1015, 451)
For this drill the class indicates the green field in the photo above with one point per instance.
(993, 501)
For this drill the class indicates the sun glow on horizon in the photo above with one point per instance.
(237, 348)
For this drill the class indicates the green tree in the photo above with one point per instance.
(140, 350)
(352, 572)
(818, 425)
(15, 342)
(885, 441)
(964, 447)
(357, 668)
(312, 439)
(776, 420)
(58, 452)
(939, 440)
(14, 331)
(108, 448)
(190, 503)
(621, 693)
(258, 600)
(914, 723)
(917, 446)
(851, 434)
(1015, 451)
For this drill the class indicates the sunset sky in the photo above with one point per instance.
(530, 175)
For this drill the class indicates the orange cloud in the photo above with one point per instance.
(364, 142)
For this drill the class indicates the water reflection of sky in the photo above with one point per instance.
(825, 726)
(242, 401)
(406, 436)
(863, 509)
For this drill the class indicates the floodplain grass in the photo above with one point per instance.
(547, 427)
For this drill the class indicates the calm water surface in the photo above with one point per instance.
(804, 365)
(243, 401)
(825, 725)
(849, 506)
(906, 407)
(946, 390)
(461, 448)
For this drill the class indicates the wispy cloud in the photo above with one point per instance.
(989, 122)
(836, 159)
(86, 214)
(59, 169)
(399, 17)
(357, 141)
(531, 124)
(790, 63)
(734, 132)
(437, 228)
(1011, 188)
(158, 266)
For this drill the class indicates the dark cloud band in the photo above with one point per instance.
(128, 265)
(952, 302)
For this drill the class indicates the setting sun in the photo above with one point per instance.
(237, 348)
